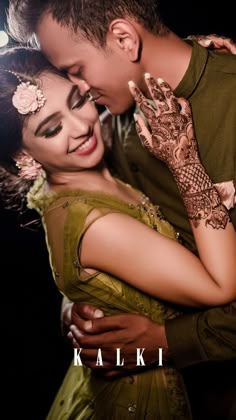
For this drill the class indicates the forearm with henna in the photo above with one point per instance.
(201, 199)
(172, 140)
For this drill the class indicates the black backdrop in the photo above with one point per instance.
(35, 354)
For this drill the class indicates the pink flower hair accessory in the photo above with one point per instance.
(28, 97)
(29, 168)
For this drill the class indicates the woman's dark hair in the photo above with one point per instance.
(28, 64)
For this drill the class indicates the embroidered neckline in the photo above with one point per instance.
(40, 198)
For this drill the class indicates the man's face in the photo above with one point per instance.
(105, 73)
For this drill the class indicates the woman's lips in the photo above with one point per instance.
(87, 147)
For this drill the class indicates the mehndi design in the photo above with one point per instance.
(171, 139)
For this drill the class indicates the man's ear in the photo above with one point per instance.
(126, 37)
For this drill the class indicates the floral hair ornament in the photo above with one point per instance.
(28, 98)
(28, 167)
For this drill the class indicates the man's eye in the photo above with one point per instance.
(76, 73)
(51, 132)
(80, 102)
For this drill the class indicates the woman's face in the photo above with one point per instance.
(64, 135)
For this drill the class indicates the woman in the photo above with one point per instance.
(108, 244)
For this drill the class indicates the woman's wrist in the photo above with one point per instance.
(201, 198)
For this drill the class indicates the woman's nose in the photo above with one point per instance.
(79, 127)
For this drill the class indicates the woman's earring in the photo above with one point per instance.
(28, 167)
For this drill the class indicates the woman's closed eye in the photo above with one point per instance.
(80, 101)
(52, 131)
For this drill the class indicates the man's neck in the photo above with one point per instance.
(167, 57)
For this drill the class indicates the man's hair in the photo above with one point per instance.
(90, 17)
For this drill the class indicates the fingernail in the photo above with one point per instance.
(88, 325)
(160, 80)
(147, 75)
(206, 42)
(98, 314)
(72, 326)
(135, 117)
(74, 329)
(131, 83)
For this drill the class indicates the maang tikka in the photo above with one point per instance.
(27, 98)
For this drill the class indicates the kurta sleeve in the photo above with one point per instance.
(204, 336)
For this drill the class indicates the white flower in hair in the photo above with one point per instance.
(28, 98)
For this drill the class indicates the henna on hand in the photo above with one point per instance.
(171, 138)
(201, 198)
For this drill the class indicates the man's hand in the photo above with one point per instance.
(127, 332)
(216, 42)
(66, 310)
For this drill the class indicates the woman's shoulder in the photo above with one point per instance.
(42, 199)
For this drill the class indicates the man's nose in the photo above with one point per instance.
(82, 84)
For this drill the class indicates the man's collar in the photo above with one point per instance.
(194, 72)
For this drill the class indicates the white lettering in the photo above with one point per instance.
(160, 353)
(77, 359)
(140, 361)
(99, 361)
(118, 363)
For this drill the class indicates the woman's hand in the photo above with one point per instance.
(171, 135)
(171, 138)
(215, 42)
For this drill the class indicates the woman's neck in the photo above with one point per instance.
(98, 180)
(86, 179)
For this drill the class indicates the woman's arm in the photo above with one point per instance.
(153, 263)
(134, 252)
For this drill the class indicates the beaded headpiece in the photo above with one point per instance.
(27, 98)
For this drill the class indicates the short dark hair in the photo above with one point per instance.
(91, 17)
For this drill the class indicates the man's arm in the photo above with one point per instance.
(90, 330)
(204, 336)
(208, 335)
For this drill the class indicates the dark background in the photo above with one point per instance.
(35, 354)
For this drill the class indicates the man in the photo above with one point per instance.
(102, 46)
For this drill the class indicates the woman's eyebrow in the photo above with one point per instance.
(45, 121)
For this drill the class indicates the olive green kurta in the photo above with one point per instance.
(210, 86)
(155, 394)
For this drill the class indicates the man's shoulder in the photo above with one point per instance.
(222, 62)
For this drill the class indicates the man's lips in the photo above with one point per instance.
(96, 98)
